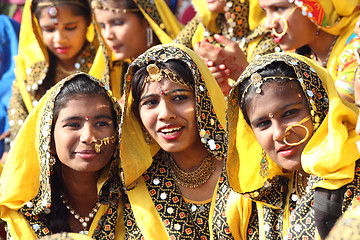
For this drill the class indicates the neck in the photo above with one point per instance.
(322, 47)
(190, 161)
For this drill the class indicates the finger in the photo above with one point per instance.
(224, 40)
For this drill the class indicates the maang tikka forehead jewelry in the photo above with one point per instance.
(156, 75)
(257, 80)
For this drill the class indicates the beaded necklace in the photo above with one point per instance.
(84, 221)
(324, 64)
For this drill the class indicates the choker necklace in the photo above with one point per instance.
(300, 189)
(324, 64)
(195, 178)
(83, 220)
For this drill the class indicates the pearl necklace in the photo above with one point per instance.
(83, 220)
(324, 64)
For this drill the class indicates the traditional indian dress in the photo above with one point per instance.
(25, 195)
(337, 18)
(164, 24)
(33, 64)
(242, 23)
(155, 208)
(277, 211)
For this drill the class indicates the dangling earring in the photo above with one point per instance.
(264, 165)
(147, 137)
(149, 36)
(52, 161)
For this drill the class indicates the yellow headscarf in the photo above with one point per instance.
(331, 152)
(25, 195)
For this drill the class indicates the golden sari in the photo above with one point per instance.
(153, 195)
(275, 215)
(25, 195)
(245, 27)
(32, 68)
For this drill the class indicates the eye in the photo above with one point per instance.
(290, 112)
(103, 124)
(102, 26)
(71, 28)
(72, 125)
(180, 97)
(47, 29)
(262, 125)
(119, 22)
(150, 102)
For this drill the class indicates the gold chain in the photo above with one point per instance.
(195, 178)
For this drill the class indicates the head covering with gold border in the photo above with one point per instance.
(332, 145)
(25, 197)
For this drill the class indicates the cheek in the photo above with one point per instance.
(148, 119)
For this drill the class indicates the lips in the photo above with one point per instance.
(170, 132)
(86, 154)
(277, 39)
(287, 151)
(62, 49)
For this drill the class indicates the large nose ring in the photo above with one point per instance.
(273, 30)
(287, 131)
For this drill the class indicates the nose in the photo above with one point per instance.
(358, 126)
(59, 36)
(166, 111)
(88, 134)
(108, 33)
(269, 21)
(278, 131)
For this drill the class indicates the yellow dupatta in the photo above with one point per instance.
(331, 152)
(137, 156)
(25, 192)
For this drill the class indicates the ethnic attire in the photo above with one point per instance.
(243, 26)
(277, 212)
(34, 76)
(337, 18)
(153, 194)
(164, 24)
(26, 181)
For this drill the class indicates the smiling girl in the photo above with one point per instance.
(292, 148)
(172, 148)
(56, 40)
(62, 172)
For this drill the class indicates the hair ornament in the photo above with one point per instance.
(98, 4)
(53, 4)
(156, 75)
(257, 80)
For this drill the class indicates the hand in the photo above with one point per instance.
(327, 208)
(231, 55)
(221, 75)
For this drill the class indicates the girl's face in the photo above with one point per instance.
(81, 123)
(124, 33)
(66, 38)
(270, 113)
(216, 6)
(301, 31)
(167, 111)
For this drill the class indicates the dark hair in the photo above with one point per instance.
(80, 85)
(180, 68)
(78, 8)
(280, 69)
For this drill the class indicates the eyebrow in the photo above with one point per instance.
(78, 118)
(284, 107)
(166, 94)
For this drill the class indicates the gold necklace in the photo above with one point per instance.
(299, 186)
(195, 178)
(84, 221)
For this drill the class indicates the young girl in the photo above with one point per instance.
(56, 39)
(172, 148)
(62, 172)
(287, 124)
(131, 27)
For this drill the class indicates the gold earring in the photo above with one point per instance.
(264, 165)
(147, 137)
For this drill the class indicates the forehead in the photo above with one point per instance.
(164, 85)
(64, 12)
(273, 2)
(85, 104)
